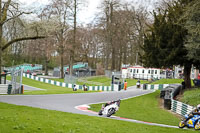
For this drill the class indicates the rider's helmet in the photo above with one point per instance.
(198, 106)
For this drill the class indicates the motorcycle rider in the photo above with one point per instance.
(196, 111)
(138, 84)
(111, 102)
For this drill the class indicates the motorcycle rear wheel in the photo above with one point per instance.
(100, 112)
(110, 112)
(181, 124)
(197, 126)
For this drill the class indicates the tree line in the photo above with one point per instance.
(112, 39)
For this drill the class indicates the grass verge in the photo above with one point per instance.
(22, 119)
(168, 81)
(48, 88)
(144, 108)
(191, 97)
(105, 81)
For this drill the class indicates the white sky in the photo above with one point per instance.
(87, 13)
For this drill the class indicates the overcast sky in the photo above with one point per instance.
(88, 12)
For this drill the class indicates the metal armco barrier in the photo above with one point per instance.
(176, 106)
(68, 85)
(154, 86)
(180, 108)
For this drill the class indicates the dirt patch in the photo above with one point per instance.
(161, 105)
(179, 97)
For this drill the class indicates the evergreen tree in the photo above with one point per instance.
(192, 17)
(164, 43)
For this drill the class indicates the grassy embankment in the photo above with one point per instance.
(191, 97)
(168, 81)
(47, 88)
(105, 81)
(26, 119)
(144, 108)
(21, 119)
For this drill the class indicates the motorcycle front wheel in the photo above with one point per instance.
(197, 126)
(110, 112)
(181, 124)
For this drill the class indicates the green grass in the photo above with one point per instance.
(48, 88)
(105, 81)
(81, 83)
(22, 119)
(168, 81)
(191, 97)
(144, 108)
(132, 82)
(58, 79)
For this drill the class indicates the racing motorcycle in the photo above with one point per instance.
(110, 108)
(194, 122)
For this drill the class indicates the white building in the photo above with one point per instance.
(140, 72)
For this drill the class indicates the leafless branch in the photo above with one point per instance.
(21, 39)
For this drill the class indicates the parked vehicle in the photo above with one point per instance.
(110, 108)
(194, 122)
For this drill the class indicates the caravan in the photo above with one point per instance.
(139, 72)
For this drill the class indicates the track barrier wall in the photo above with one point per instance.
(176, 106)
(69, 85)
(180, 108)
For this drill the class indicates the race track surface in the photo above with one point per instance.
(68, 102)
(73, 103)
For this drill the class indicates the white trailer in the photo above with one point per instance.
(139, 72)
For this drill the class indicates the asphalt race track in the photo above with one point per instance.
(70, 102)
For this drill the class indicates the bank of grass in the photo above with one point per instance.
(105, 81)
(78, 83)
(144, 108)
(47, 88)
(191, 97)
(22, 119)
(168, 81)
(132, 82)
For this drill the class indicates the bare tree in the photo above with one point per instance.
(9, 11)
(58, 10)
(109, 7)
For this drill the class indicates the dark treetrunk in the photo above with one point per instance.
(187, 71)
(120, 58)
(46, 67)
(113, 58)
(72, 51)
(0, 50)
(62, 65)
(71, 65)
